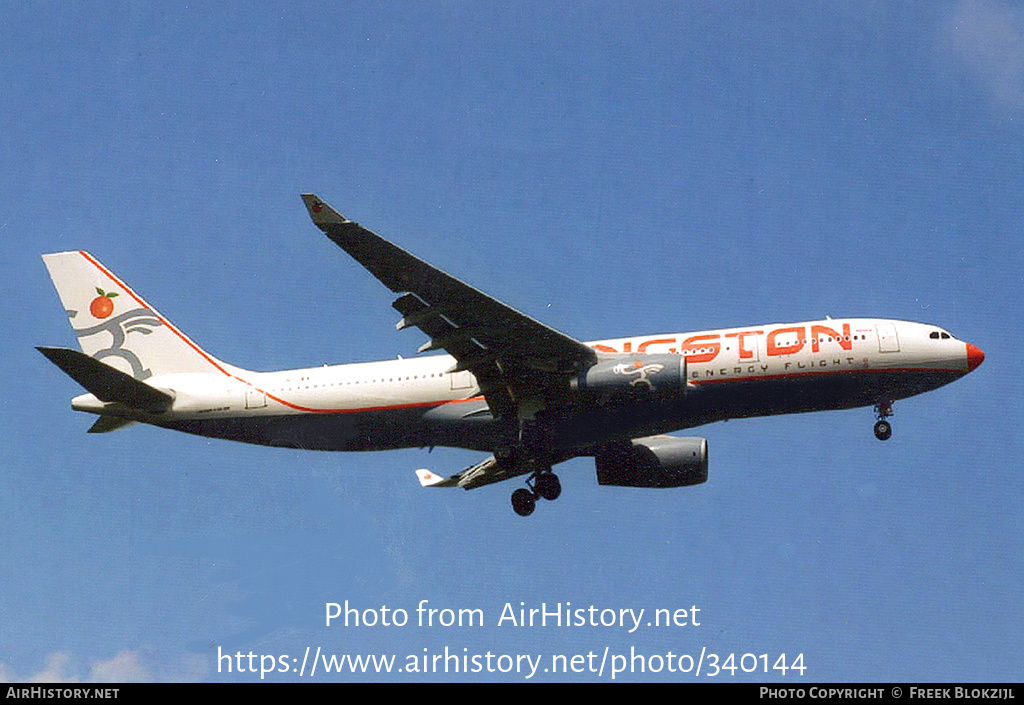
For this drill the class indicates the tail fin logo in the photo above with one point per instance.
(115, 325)
(103, 305)
(139, 320)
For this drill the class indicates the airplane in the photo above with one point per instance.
(505, 384)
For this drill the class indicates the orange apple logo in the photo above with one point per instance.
(102, 306)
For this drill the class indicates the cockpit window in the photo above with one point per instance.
(935, 335)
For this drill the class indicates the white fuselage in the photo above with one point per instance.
(736, 372)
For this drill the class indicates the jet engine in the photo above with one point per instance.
(655, 461)
(619, 379)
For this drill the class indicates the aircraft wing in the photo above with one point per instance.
(517, 360)
(486, 472)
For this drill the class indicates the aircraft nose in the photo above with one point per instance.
(974, 357)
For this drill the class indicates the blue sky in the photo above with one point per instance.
(610, 169)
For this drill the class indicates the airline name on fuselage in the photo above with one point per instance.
(785, 340)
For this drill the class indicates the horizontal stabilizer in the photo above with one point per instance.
(105, 424)
(106, 383)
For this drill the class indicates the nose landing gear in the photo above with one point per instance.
(543, 484)
(883, 429)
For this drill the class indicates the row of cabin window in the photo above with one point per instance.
(373, 381)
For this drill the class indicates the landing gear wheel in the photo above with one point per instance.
(883, 429)
(548, 486)
(523, 502)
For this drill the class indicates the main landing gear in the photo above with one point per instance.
(883, 429)
(543, 484)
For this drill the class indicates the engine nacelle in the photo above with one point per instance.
(655, 461)
(619, 379)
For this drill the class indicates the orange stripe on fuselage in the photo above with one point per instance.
(217, 365)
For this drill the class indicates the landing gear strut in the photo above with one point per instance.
(544, 484)
(883, 429)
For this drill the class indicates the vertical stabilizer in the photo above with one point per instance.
(113, 323)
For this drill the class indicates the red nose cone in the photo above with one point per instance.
(974, 357)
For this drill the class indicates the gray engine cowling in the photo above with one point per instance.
(655, 461)
(633, 378)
